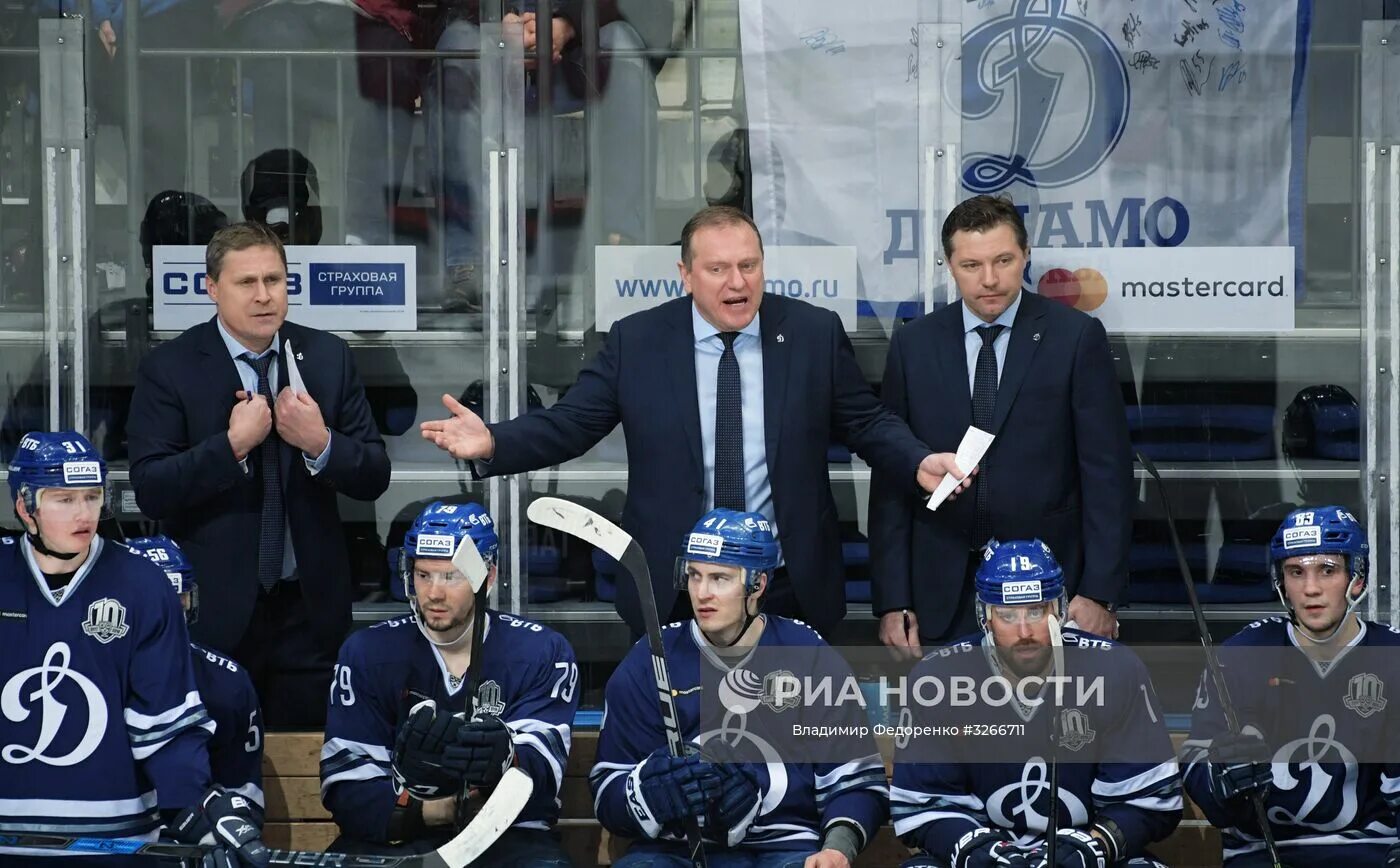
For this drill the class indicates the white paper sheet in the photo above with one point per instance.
(294, 380)
(974, 445)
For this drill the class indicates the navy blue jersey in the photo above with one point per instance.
(529, 679)
(1115, 759)
(103, 725)
(799, 799)
(235, 751)
(1328, 725)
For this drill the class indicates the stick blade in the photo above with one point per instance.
(581, 522)
(498, 814)
(468, 562)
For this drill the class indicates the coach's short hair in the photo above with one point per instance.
(715, 215)
(239, 236)
(981, 213)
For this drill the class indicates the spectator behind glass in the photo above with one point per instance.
(376, 94)
(282, 190)
(622, 88)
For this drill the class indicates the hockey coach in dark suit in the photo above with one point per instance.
(1039, 376)
(723, 404)
(244, 472)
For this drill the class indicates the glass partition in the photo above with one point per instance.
(534, 201)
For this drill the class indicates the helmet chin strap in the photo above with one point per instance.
(748, 622)
(423, 626)
(1300, 630)
(37, 541)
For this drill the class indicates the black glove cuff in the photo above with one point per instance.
(1115, 841)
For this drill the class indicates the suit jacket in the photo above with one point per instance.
(644, 377)
(186, 476)
(1060, 468)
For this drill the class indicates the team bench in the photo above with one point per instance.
(296, 820)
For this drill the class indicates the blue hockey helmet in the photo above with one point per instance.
(1316, 530)
(163, 551)
(54, 459)
(1018, 573)
(738, 539)
(438, 529)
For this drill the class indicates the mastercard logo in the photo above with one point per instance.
(1082, 289)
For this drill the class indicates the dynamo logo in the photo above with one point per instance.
(1069, 94)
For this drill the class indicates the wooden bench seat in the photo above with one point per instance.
(296, 819)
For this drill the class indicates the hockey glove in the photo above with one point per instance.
(422, 764)
(1074, 848)
(1239, 765)
(484, 750)
(735, 803)
(662, 789)
(988, 848)
(228, 821)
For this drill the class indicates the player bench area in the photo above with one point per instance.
(296, 819)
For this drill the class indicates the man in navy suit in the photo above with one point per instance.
(1059, 470)
(247, 483)
(721, 406)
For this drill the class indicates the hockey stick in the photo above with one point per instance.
(1217, 675)
(1052, 826)
(497, 815)
(583, 523)
(467, 560)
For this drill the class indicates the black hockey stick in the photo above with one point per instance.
(583, 523)
(468, 562)
(497, 815)
(1217, 675)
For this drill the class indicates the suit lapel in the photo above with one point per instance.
(678, 356)
(776, 359)
(952, 350)
(1026, 334)
(221, 367)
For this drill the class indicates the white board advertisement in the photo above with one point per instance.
(629, 279)
(1147, 290)
(337, 287)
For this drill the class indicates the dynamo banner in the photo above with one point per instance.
(334, 287)
(1114, 123)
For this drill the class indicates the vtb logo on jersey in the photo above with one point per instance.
(1365, 694)
(488, 700)
(1074, 729)
(106, 620)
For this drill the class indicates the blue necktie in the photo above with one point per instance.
(729, 430)
(272, 530)
(984, 403)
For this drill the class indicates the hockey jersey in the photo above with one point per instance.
(1330, 727)
(799, 799)
(235, 751)
(529, 679)
(987, 764)
(103, 725)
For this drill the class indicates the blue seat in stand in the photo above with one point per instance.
(855, 555)
(1241, 574)
(605, 571)
(1203, 432)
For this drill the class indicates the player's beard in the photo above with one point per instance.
(447, 625)
(1030, 664)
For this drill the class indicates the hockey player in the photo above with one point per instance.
(1328, 774)
(104, 733)
(406, 736)
(812, 814)
(982, 798)
(235, 751)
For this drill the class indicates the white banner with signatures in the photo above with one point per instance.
(1114, 123)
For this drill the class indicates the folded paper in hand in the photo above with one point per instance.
(294, 380)
(974, 445)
